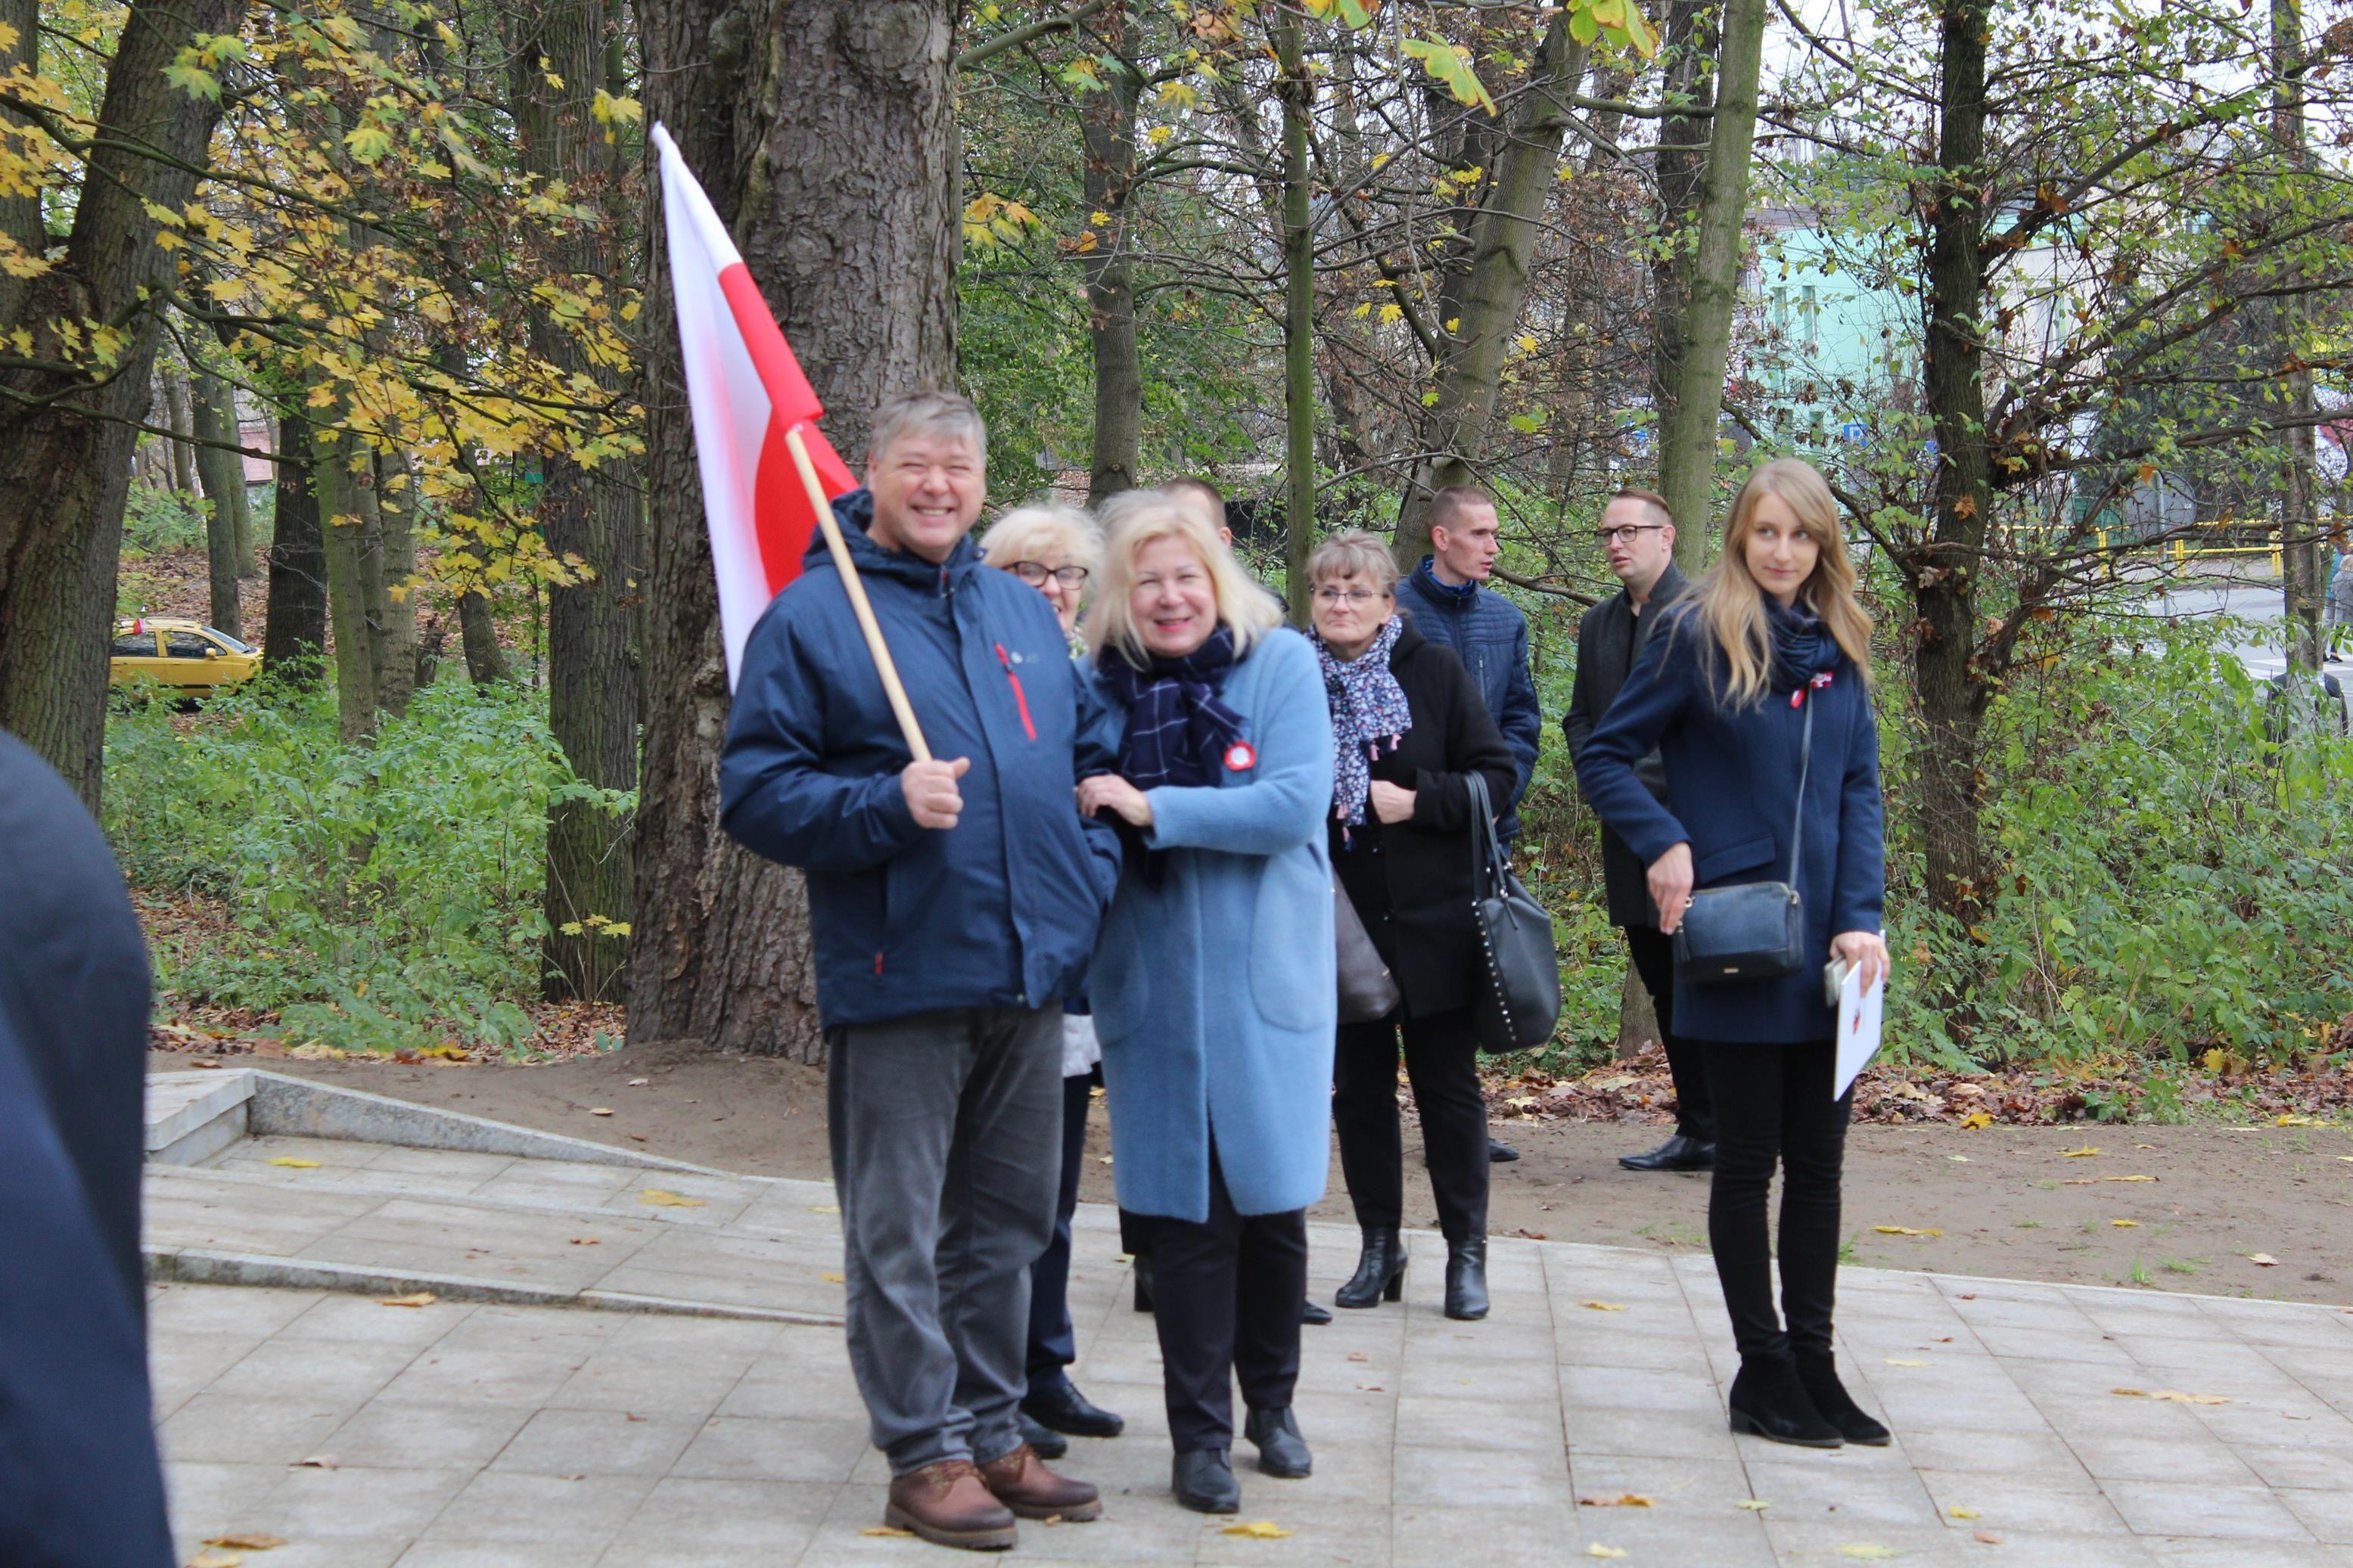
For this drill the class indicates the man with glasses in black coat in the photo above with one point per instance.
(1637, 537)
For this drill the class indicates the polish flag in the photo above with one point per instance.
(746, 391)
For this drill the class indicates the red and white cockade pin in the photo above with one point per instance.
(1798, 698)
(1240, 757)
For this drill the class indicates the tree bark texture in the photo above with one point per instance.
(223, 472)
(20, 214)
(1945, 576)
(824, 133)
(2301, 561)
(1486, 305)
(486, 661)
(294, 635)
(1710, 289)
(65, 465)
(1686, 80)
(1297, 90)
(585, 512)
(354, 547)
(1107, 126)
(394, 601)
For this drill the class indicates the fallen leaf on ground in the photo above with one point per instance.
(2081, 1182)
(1897, 1361)
(825, 1208)
(585, 1241)
(1257, 1529)
(639, 1082)
(661, 1199)
(1602, 1306)
(2263, 1260)
(1370, 1388)
(833, 1278)
(600, 1111)
(1958, 1511)
(1753, 1504)
(1958, 1159)
(315, 1462)
(1358, 1355)
(1987, 1536)
(1903, 1230)
(2127, 1178)
(1976, 1119)
(1597, 1549)
(294, 1164)
(2085, 1153)
(247, 1541)
(887, 1530)
(202, 1062)
(214, 1560)
(2294, 1121)
(2172, 1396)
(1868, 1551)
(1623, 1500)
(2126, 1224)
(421, 1298)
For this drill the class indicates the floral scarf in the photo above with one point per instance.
(1369, 706)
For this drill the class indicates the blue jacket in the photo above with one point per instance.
(999, 912)
(1732, 796)
(1488, 633)
(1214, 993)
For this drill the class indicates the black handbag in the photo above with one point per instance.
(1520, 1002)
(1367, 989)
(1755, 931)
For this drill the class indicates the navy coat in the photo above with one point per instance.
(80, 1486)
(1489, 636)
(1000, 911)
(1214, 991)
(1732, 788)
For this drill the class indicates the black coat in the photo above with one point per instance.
(1607, 639)
(79, 1482)
(1411, 881)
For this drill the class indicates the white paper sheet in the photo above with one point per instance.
(1858, 1028)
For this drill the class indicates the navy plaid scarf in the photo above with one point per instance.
(1177, 729)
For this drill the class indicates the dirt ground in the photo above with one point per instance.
(2001, 1201)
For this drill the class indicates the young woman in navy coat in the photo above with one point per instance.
(1721, 689)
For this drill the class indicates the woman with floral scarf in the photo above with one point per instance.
(1408, 728)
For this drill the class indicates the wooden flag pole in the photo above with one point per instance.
(891, 686)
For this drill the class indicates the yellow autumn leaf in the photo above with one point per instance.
(2126, 1224)
(1903, 1230)
(887, 1530)
(294, 1164)
(2085, 1153)
(825, 1208)
(1895, 1361)
(2295, 1121)
(2127, 1178)
(833, 1278)
(421, 1298)
(1623, 1500)
(1958, 1511)
(247, 1541)
(1098, 218)
(1868, 1552)
(1391, 313)
(1753, 1504)
(660, 1198)
(1977, 1119)
(1602, 1306)
(1257, 1529)
(1597, 1550)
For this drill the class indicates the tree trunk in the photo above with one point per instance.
(65, 463)
(394, 605)
(177, 415)
(352, 541)
(1297, 90)
(824, 134)
(1711, 289)
(1638, 1017)
(1944, 576)
(2301, 558)
(295, 618)
(1486, 309)
(21, 227)
(1107, 125)
(592, 672)
(1685, 80)
(224, 479)
(486, 661)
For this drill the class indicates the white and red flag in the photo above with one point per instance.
(746, 391)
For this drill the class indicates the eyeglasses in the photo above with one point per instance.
(1625, 532)
(1035, 573)
(1355, 598)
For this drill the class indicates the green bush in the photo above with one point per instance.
(379, 895)
(155, 521)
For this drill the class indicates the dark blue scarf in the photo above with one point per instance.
(1802, 644)
(1177, 729)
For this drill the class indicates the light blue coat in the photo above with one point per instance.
(1214, 993)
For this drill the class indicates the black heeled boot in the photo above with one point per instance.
(1466, 1280)
(1818, 1372)
(1380, 1271)
(1768, 1400)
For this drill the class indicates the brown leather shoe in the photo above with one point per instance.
(947, 1504)
(1021, 1481)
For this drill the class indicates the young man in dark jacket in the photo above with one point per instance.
(952, 904)
(1637, 537)
(1447, 601)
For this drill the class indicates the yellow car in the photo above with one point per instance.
(187, 657)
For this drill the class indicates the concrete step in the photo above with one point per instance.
(193, 1115)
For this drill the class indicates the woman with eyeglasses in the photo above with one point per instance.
(1055, 549)
(1408, 728)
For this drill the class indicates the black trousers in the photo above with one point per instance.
(1441, 1059)
(1230, 1289)
(1773, 1103)
(1053, 1340)
(1653, 953)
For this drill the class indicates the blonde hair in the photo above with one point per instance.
(1041, 529)
(1355, 553)
(1134, 519)
(1730, 605)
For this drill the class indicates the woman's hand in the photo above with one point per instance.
(1114, 792)
(1670, 886)
(1391, 802)
(1866, 950)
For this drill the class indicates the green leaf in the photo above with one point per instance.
(1451, 65)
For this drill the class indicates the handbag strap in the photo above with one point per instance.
(1486, 855)
(1805, 763)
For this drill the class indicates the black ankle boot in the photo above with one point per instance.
(1380, 1271)
(1818, 1374)
(1466, 1280)
(1768, 1400)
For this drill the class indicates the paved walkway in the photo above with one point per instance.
(558, 1436)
